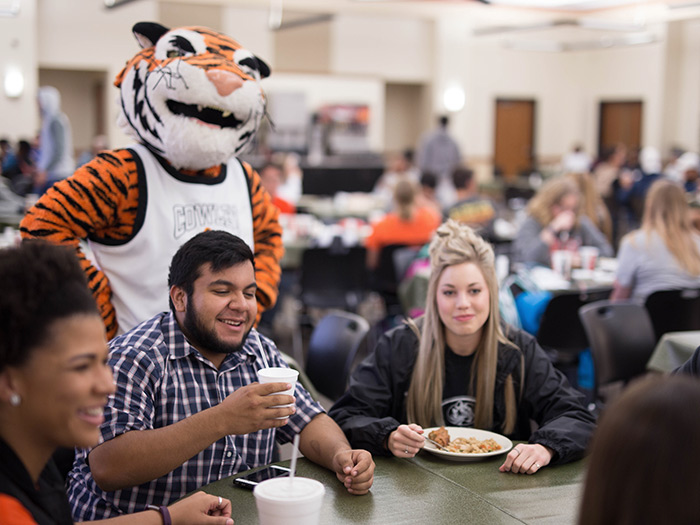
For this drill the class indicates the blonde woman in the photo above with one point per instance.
(664, 253)
(460, 366)
(554, 220)
(592, 205)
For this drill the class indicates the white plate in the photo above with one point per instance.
(456, 432)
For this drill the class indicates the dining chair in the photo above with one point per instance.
(621, 339)
(674, 310)
(560, 329)
(333, 277)
(333, 346)
(394, 259)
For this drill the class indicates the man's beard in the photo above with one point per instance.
(200, 336)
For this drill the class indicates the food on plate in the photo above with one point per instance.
(463, 445)
(440, 436)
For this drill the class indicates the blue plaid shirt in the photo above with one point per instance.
(162, 379)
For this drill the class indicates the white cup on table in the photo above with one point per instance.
(561, 263)
(286, 501)
(589, 257)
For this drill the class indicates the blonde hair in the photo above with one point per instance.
(453, 244)
(666, 213)
(592, 205)
(405, 197)
(551, 193)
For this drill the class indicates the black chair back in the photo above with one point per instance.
(393, 262)
(621, 339)
(333, 277)
(674, 310)
(560, 327)
(334, 343)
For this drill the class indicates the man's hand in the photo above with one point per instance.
(355, 469)
(250, 408)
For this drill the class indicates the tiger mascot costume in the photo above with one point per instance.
(192, 100)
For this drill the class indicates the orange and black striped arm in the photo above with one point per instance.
(267, 236)
(99, 200)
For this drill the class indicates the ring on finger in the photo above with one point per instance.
(220, 501)
(405, 451)
(537, 466)
(516, 450)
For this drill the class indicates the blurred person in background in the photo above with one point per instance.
(471, 208)
(271, 179)
(607, 170)
(8, 159)
(592, 205)
(664, 253)
(290, 188)
(576, 161)
(55, 160)
(427, 192)
(688, 165)
(439, 153)
(554, 221)
(409, 224)
(26, 160)
(399, 166)
(641, 468)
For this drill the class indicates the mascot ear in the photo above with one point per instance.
(148, 33)
(263, 68)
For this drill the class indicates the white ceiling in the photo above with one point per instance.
(542, 25)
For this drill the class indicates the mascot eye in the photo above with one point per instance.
(179, 46)
(249, 65)
(174, 53)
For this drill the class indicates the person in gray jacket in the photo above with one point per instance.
(460, 366)
(553, 222)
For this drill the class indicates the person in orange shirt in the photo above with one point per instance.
(409, 224)
(271, 179)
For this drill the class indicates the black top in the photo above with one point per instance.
(48, 504)
(375, 403)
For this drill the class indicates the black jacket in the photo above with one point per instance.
(49, 504)
(375, 403)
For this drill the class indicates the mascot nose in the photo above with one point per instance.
(224, 81)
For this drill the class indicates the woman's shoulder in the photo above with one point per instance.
(12, 510)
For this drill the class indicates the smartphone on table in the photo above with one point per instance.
(271, 471)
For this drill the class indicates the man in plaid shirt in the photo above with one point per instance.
(187, 410)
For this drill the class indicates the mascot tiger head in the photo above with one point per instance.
(192, 95)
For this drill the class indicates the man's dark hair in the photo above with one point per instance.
(219, 249)
(429, 180)
(41, 283)
(444, 121)
(462, 177)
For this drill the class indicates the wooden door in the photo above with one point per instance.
(620, 123)
(515, 133)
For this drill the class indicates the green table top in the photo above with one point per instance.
(673, 349)
(428, 489)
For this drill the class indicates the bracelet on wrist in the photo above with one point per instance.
(164, 512)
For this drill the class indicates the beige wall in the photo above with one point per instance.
(18, 116)
(363, 54)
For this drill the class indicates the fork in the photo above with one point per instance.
(438, 445)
